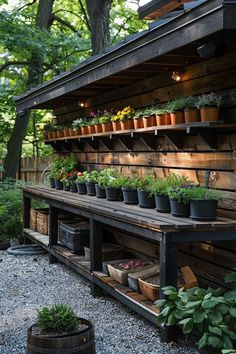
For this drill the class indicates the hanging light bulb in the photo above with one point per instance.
(177, 75)
(81, 104)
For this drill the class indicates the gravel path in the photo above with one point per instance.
(27, 283)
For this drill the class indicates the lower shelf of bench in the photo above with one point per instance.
(135, 301)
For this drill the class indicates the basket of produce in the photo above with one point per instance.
(148, 271)
(150, 286)
(110, 251)
(119, 270)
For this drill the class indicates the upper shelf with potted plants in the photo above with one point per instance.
(187, 114)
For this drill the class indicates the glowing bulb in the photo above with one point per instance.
(81, 104)
(176, 75)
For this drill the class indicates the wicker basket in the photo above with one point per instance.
(33, 219)
(109, 252)
(43, 222)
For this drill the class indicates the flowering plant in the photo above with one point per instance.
(125, 114)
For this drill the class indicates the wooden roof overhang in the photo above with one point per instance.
(168, 46)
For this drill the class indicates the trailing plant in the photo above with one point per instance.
(145, 183)
(208, 314)
(208, 100)
(57, 319)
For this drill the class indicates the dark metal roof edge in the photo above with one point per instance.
(66, 77)
(151, 7)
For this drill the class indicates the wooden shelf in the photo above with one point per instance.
(174, 133)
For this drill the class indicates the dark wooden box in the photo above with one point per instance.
(74, 235)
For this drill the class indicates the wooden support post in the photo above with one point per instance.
(26, 216)
(53, 231)
(168, 276)
(95, 253)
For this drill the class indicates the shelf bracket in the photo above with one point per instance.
(148, 139)
(126, 141)
(93, 143)
(79, 144)
(176, 137)
(107, 142)
(55, 145)
(67, 145)
(207, 134)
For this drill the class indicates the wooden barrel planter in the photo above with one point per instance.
(81, 342)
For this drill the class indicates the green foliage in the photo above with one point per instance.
(207, 313)
(176, 105)
(145, 183)
(58, 319)
(10, 210)
(189, 102)
(63, 166)
(82, 177)
(180, 194)
(92, 177)
(160, 186)
(201, 193)
(210, 99)
(105, 176)
(129, 182)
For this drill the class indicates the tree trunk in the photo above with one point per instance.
(35, 75)
(98, 12)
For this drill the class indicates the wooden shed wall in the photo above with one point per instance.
(210, 261)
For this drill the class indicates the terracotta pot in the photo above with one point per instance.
(116, 125)
(54, 135)
(60, 133)
(191, 115)
(50, 135)
(66, 132)
(177, 117)
(106, 127)
(71, 132)
(98, 128)
(163, 119)
(84, 130)
(209, 114)
(77, 132)
(149, 121)
(91, 129)
(127, 124)
(138, 123)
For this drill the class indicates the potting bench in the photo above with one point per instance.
(146, 224)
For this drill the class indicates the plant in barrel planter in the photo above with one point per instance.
(59, 330)
(203, 203)
(209, 107)
(208, 315)
(144, 198)
(91, 181)
(129, 189)
(176, 110)
(81, 182)
(191, 113)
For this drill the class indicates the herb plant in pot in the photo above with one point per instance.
(176, 110)
(113, 188)
(203, 203)
(145, 199)
(66, 183)
(138, 119)
(91, 180)
(59, 330)
(159, 188)
(149, 117)
(179, 201)
(209, 107)
(129, 189)
(162, 116)
(84, 127)
(102, 181)
(191, 113)
(81, 182)
(72, 178)
(105, 121)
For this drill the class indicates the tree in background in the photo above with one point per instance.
(43, 38)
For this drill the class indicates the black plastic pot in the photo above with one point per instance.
(203, 210)
(66, 187)
(58, 185)
(100, 192)
(145, 200)
(91, 188)
(130, 196)
(112, 193)
(81, 186)
(180, 210)
(73, 187)
(52, 182)
(209, 350)
(162, 203)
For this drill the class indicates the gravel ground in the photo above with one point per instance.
(29, 282)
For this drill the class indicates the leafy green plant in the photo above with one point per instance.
(208, 314)
(145, 183)
(190, 102)
(129, 182)
(176, 105)
(82, 177)
(58, 319)
(77, 123)
(201, 193)
(180, 194)
(159, 187)
(92, 177)
(105, 176)
(210, 99)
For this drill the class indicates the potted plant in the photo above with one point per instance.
(91, 180)
(203, 203)
(129, 189)
(81, 182)
(159, 188)
(76, 126)
(145, 199)
(113, 189)
(138, 119)
(59, 327)
(72, 178)
(105, 121)
(66, 131)
(162, 116)
(66, 183)
(176, 110)
(209, 105)
(149, 118)
(116, 125)
(191, 113)
(126, 118)
(207, 314)
(179, 201)
(103, 177)
(84, 127)
(47, 131)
